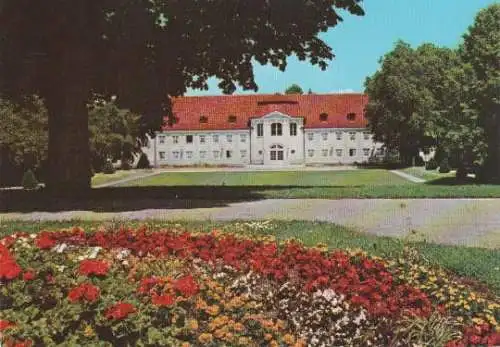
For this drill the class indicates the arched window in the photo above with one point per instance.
(323, 117)
(276, 153)
(351, 116)
(276, 129)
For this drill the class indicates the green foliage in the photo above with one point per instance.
(481, 53)
(23, 133)
(294, 89)
(432, 164)
(436, 330)
(444, 167)
(143, 162)
(29, 180)
(114, 134)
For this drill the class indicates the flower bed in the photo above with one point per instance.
(169, 287)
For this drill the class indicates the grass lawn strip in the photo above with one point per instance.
(370, 183)
(232, 287)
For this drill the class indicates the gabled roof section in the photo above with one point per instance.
(217, 110)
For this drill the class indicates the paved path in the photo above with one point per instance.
(474, 222)
(409, 177)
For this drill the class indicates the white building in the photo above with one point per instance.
(265, 129)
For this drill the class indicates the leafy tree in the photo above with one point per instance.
(114, 133)
(481, 50)
(294, 89)
(143, 52)
(23, 134)
(403, 94)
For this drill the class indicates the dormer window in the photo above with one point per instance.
(351, 116)
(323, 117)
(203, 119)
(231, 119)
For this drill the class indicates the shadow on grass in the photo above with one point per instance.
(117, 199)
(452, 181)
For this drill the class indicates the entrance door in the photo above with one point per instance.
(276, 153)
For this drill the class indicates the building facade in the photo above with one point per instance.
(265, 130)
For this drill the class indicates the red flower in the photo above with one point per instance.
(147, 284)
(29, 276)
(9, 269)
(163, 300)
(186, 286)
(84, 291)
(45, 241)
(93, 267)
(119, 311)
(4, 325)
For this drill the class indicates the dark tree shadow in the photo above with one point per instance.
(118, 199)
(453, 181)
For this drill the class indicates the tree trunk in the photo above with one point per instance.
(69, 152)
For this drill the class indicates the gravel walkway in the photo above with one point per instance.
(473, 222)
(409, 177)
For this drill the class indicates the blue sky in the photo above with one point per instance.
(359, 42)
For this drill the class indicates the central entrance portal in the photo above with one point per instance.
(276, 153)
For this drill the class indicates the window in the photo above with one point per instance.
(292, 151)
(162, 155)
(203, 154)
(243, 138)
(228, 154)
(366, 135)
(260, 152)
(331, 151)
(203, 119)
(202, 138)
(189, 138)
(175, 139)
(323, 117)
(260, 129)
(216, 154)
(189, 154)
(351, 116)
(339, 152)
(216, 138)
(276, 129)
(380, 151)
(310, 152)
(176, 154)
(366, 152)
(339, 135)
(352, 152)
(352, 135)
(293, 129)
(325, 152)
(310, 136)
(243, 154)
(325, 136)
(229, 138)
(231, 119)
(162, 139)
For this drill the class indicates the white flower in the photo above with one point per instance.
(94, 252)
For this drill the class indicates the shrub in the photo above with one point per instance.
(431, 164)
(419, 161)
(445, 166)
(108, 168)
(125, 165)
(143, 162)
(29, 180)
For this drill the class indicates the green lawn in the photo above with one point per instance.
(273, 178)
(476, 263)
(368, 183)
(101, 178)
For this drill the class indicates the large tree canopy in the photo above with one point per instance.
(144, 51)
(403, 94)
(481, 51)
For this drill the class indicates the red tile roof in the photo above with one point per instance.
(217, 109)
